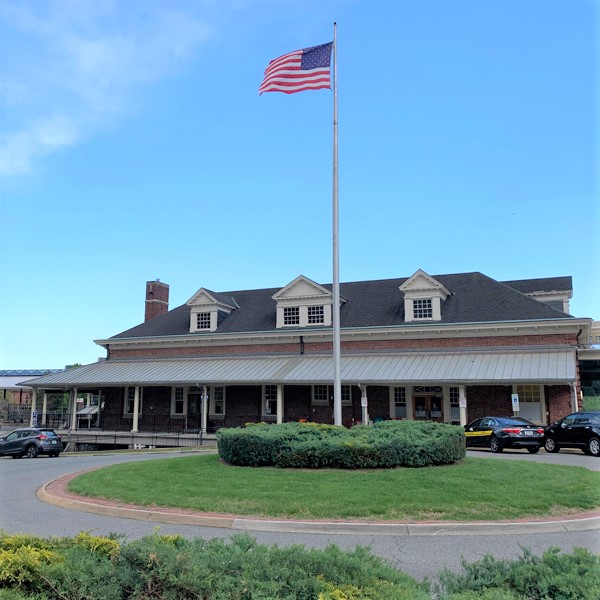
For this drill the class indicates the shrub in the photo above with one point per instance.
(172, 567)
(384, 445)
(552, 576)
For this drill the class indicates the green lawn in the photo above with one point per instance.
(476, 489)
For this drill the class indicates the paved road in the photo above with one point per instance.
(420, 556)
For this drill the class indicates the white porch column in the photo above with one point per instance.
(73, 408)
(32, 420)
(279, 404)
(44, 408)
(462, 403)
(204, 418)
(136, 409)
(364, 402)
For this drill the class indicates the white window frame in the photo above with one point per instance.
(346, 395)
(454, 402)
(315, 315)
(421, 305)
(268, 397)
(317, 398)
(291, 316)
(399, 400)
(203, 321)
(184, 400)
(129, 397)
(212, 400)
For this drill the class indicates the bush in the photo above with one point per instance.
(310, 445)
(172, 567)
(552, 576)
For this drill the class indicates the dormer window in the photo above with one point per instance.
(208, 309)
(291, 315)
(303, 303)
(423, 297)
(316, 314)
(422, 308)
(203, 320)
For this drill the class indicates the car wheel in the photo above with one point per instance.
(533, 450)
(495, 445)
(31, 452)
(594, 446)
(550, 445)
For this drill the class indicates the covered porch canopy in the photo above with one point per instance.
(459, 368)
(476, 367)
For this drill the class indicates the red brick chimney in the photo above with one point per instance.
(157, 299)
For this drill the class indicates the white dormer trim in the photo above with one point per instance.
(422, 287)
(203, 301)
(303, 293)
(547, 297)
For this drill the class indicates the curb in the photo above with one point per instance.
(54, 492)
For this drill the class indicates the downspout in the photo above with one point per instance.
(301, 344)
(578, 334)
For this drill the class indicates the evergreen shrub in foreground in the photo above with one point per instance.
(170, 567)
(313, 445)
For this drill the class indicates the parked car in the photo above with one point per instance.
(498, 433)
(577, 430)
(31, 441)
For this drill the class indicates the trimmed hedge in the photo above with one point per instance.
(165, 567)
(312, 445)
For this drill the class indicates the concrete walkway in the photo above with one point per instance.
(55, 492)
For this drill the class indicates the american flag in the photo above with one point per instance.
(306, 69)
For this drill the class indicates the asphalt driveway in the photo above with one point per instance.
(421, 556)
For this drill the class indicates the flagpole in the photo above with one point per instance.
(337, 382)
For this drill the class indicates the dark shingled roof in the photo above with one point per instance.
(546, 284)
(475, 298)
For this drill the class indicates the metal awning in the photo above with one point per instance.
(87, 411)
(467, 367)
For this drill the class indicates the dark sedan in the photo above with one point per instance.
(30, 442)
(497, 433)
(578, 430)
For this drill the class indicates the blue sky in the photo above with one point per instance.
(134, 146)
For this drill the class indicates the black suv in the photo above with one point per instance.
(578, 430)
(31, 441)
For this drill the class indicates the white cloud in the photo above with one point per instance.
(71, 67)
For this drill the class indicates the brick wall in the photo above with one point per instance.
(310, 347)
(558, 401)
(484, 400)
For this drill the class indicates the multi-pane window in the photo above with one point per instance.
(316, 314)
(218, 400)
(529, 393)
(346, 395)
(422, 308)
(320, 395)
(203, 320)
(130, 399)
(291, 315)
(399, 403)
(454, 404)
(178, 401)
(270, 399)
